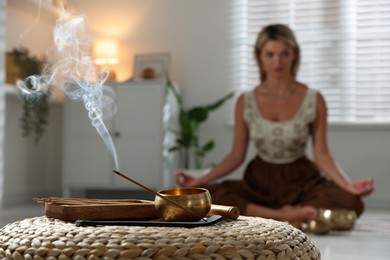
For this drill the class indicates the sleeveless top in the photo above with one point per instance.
(280, 141)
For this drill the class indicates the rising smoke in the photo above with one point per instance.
(76, 71)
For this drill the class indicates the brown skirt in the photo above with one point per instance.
(277, 185)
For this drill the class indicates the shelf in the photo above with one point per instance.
(12, 90)
(8, 89)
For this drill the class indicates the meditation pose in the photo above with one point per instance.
(279, 116)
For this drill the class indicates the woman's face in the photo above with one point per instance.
(276, 58)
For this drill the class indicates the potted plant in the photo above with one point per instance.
(35, 113)
(187, 142)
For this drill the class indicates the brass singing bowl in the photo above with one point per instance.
(338, 219)
(197, 201)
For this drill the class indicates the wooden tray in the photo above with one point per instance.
(71, 209)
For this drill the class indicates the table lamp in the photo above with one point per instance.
(105, 53)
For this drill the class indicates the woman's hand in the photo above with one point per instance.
(361, 187)
(186, 180)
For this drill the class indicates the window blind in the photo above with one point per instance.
(345, 48)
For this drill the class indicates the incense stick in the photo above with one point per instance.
(159, 195)
(56, 200)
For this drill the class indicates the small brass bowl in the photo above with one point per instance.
(339, 219)
(318, 227)
(197, 200)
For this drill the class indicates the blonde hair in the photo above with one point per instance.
(279, 32)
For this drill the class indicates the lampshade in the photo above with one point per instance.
(105, 51)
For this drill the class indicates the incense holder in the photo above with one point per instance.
(195, 204)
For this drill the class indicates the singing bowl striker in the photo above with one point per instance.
(196, 200)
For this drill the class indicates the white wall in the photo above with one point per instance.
(3, 17)
(365, 151)
(196, 33)
(29, 26)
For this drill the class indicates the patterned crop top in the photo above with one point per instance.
(283, 141)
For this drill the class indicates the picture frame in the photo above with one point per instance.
(151, 66)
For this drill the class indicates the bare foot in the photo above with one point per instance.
(285, 213)
(302, 213)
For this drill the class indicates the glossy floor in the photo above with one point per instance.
(370, 238)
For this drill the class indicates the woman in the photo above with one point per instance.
(279, 115)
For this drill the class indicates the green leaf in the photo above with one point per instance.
(199, 114)
(220, 102)
(205, 148)
(208, 146)
(172, 88)
(174, 148)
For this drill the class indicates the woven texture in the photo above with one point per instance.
(244, 238)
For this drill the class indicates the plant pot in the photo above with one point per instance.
(12, 70)
(197, 173)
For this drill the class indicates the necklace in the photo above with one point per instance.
(290, 91)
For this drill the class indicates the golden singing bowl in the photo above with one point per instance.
(338, 219)
(195, 200)
(318, 227)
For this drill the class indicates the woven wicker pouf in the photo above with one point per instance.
(244, 238)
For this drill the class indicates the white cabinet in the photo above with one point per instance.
(139, 129)
(28, 169)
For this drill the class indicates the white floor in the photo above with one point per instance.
(366, 241)
(370, 239)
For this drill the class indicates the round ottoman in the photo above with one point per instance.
(244, 238)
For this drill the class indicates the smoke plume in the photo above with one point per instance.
(76, 71)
